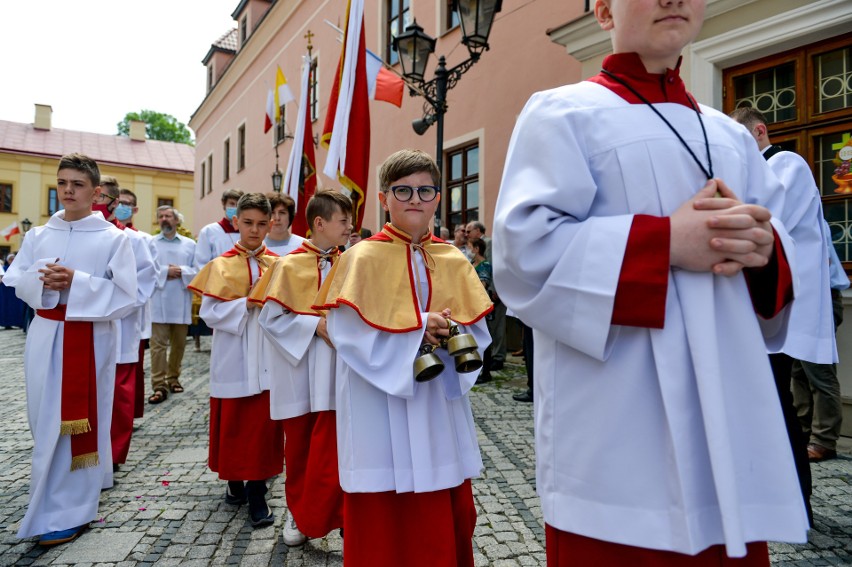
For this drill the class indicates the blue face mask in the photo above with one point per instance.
(230, 212)
(123, 212)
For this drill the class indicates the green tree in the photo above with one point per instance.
(158, 126)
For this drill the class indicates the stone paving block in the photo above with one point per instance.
(100, 546)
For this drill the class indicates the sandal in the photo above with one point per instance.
(176, 388)
(159, 396)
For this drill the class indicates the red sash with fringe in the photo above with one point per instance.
(79, 413)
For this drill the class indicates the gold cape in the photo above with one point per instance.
(228, 277)
(376, 279)
(294, 279)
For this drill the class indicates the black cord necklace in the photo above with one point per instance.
(708, 171)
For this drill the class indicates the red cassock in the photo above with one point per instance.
(123, 410)
(245, 443)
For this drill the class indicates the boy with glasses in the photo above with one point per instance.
(406, 449)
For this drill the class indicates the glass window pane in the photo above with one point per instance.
(837, 215)
(834, 80)
(456, 198)
(394, 8)
(833, 160)
(472, 158)
(771, 91)
(455, 166)
(472, 215)
(472, 195)
(455, 220)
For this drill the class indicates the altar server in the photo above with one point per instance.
(245, 443)
(659, 436)
(218, 237)
(78, 273)
(407, 450)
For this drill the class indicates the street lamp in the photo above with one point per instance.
(277, 176)
(414, 47)
(26, 225)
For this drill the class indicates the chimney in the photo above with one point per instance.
(43, 113)
(137, 130)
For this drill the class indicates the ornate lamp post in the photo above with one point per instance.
(414, 47)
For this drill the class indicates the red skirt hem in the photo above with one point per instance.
(245, 442)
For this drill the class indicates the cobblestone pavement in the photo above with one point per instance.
(168, 509)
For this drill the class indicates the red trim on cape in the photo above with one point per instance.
(640, 298)
(381, 237)
(379, 327)
(290, 309)
(657, 88)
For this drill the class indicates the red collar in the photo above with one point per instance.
(117, 224)
(227, 226)
(657, 88)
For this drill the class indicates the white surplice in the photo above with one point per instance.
(131, 325)
(103, 290)
(671, 438)
(284, 247)
(212, 242)
(299, 366)
(394, 433)
(172, 302)
(236, 351)
(810, 330)
(146, 309)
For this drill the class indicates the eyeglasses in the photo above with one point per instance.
(110, 197)
(425, 193)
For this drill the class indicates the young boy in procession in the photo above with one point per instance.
(218, 237)
(406, 449)
(280, 240)
(659, 437)
(300, 360)
(246, 446)
(78, 273)
(131, 327)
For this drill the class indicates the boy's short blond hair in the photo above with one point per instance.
(235, 194)
(325, 203)
(404, 163)
(254, 201)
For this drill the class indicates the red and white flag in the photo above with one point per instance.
(300, 181)
(10, 230)
(348, 115)
(382, 83)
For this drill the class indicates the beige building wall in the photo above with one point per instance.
(31, 177)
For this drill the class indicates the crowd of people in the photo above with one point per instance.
(668, 272)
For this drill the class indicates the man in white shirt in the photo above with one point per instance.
(171, 305)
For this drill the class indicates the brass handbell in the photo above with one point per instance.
(458, 343)
(427, 365)
(468, 362)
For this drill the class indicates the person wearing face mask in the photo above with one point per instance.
(218, 237)
(124, 398)
(127, 207)
(171, 304)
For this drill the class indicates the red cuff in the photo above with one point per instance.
(640, 300)
(771, 287)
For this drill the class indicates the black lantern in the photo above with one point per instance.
(414, 47)
(476, 17)
(26, 225)
(276, 180)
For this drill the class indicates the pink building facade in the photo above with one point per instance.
(233, 152)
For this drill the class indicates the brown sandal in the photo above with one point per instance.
(159, 396)
(176, 388)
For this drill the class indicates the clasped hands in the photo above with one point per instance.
(56, 277)
(720, 234)
(437, 327)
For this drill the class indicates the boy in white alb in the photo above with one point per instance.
(407, 450)
(78, 273)
(246, 446)
(300, 360)
(659, 437)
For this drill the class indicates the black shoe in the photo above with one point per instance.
(525, 396)
(259, 511)
(497, 365)
(484, 378)
(235, 494)
(115, 467)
